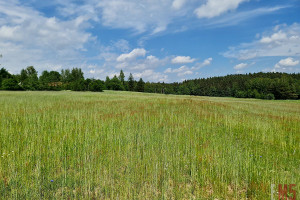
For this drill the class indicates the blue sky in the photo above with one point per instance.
(158, 40)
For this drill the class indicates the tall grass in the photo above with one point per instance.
(121, 145)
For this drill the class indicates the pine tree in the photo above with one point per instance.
(122, 77)
(131, 83)
(107, 83)
(140, 87)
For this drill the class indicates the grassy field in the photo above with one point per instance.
(121, 145)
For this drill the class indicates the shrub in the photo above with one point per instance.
(269, 96)
(10, 84)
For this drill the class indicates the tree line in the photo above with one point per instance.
(253, 85)
(73, 79)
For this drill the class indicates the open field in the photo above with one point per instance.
(121, 145)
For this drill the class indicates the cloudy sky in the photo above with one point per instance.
(159, 40)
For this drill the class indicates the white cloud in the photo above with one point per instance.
(132, 55)
(143, 16)
(181, 71)
(152, 59)
(27, 37)
(288, 62)
(155, 16)
(96, 71)
(275, 37)
(7, 32)
(122, 45)
(231, 19)
(150, 75)
(25, 25)
(286, 65)
(240, 66)
(207, 62)
(184, 70)
(177, 4)
(144, 67)
(188, 72)
(150, 62)
(283, 40)
(213, 8)
(168, 70)
(182, 60)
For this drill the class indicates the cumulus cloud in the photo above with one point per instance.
(240, 66)
(275, 37)
(25, 25)
(150, 62)
(147, 65)
(283, 40)
(206, 62)
(213, 8)
(151, 75)
(288, 62)
(140, 65)
(27, 37)
(95, 71)
(185, 70)
(181, 71)
(182, 60)
(152, 59)
(132, 55)
(285, 65)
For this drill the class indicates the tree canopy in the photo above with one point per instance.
(257, 85)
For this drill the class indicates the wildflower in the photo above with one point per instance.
(51, 180)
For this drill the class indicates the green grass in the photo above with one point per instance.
(121, 145)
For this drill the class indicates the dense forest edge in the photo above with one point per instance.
(253, 85)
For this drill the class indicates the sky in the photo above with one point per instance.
(158, 40)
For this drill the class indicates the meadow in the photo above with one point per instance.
(125, 145)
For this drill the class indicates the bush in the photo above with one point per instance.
(10, 84)
(96, 86)
(241, 94)
(257, 95)
(270, 96)
(78, 85)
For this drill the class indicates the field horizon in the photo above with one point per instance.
(129, 145)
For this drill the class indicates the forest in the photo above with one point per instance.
(253, 85)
